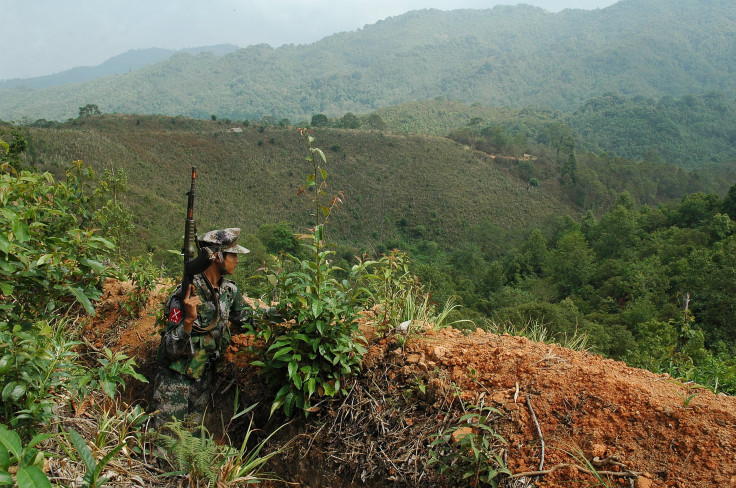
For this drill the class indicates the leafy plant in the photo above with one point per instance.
(47, 259)
(114, 366)
(27, 461)
(470, 450)
(37, 363)
(144, 276)
(315, 345)
(203, 459)
(92, 477)
(405, 304)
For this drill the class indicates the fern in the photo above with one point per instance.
(197, 456)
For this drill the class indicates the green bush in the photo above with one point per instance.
(48, 260)
(36, 365)
(315, 344)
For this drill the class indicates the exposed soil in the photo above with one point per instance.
(648, 429)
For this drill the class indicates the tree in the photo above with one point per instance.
(695, 208)
(728, 206)
(319, 120)
(89, 110)
(278, 238)
(570, 167)
(349, 121)
(571, 263)
(10, 152)
(113, 215)
(374, 121)
(561, 137)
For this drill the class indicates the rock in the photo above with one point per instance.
(458, 435)
(439, 352)
(598, 450)
(642, 482)
(413, 358)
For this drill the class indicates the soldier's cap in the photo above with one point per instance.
(226, 240)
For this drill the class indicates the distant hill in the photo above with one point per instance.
(690, 131)
(396, 186)
(506, 56)
(129, 61)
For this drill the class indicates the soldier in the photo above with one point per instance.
(197, 333)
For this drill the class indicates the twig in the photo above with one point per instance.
(624, 474)
(539, 430)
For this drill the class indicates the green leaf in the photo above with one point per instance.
(4, 244)
(293, 368)
(103, 462)
(91, 263)
(5, 478)
(5, 364)
(322, 155)
(45, 258)
(32, 477)
(82, 298)
(20, 229)
(325, 210)
(4, 457)
(11, 440)
(83, 450)
(38, 439)
(323, 173)
(282, 351)
(109, 387)
(13, 392)
(316, 309)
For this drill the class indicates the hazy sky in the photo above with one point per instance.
(40, 37)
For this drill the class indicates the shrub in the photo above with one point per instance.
(48, 261)
(315, 344)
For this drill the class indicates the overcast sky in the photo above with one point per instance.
(40, 37)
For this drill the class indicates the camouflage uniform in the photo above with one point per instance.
(188, 362)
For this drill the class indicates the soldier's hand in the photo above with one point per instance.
(191, 300)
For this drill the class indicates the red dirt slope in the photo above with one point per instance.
(620, 419)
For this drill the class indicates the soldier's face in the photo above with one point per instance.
(230, 262)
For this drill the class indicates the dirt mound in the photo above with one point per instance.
(586, 413)
(674, 434)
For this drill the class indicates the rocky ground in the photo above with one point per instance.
(564, 418)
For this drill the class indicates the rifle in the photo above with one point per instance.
(192, 266)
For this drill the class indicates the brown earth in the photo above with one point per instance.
(592, 414)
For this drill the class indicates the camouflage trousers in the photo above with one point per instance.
(176, 395)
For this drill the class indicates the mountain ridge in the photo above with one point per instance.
(510, 56)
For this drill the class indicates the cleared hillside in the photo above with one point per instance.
(424, 184)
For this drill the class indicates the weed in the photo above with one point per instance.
(471, 449)
(203, 459)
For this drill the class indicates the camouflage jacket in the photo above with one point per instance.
(190, 353)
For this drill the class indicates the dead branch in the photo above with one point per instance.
(623, 474)
(539, 430)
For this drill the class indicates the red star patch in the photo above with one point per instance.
(175, 315)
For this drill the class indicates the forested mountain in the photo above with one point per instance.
(117, 65)
(690, 131)
(505, 56)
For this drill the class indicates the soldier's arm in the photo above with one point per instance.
(177, 340)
